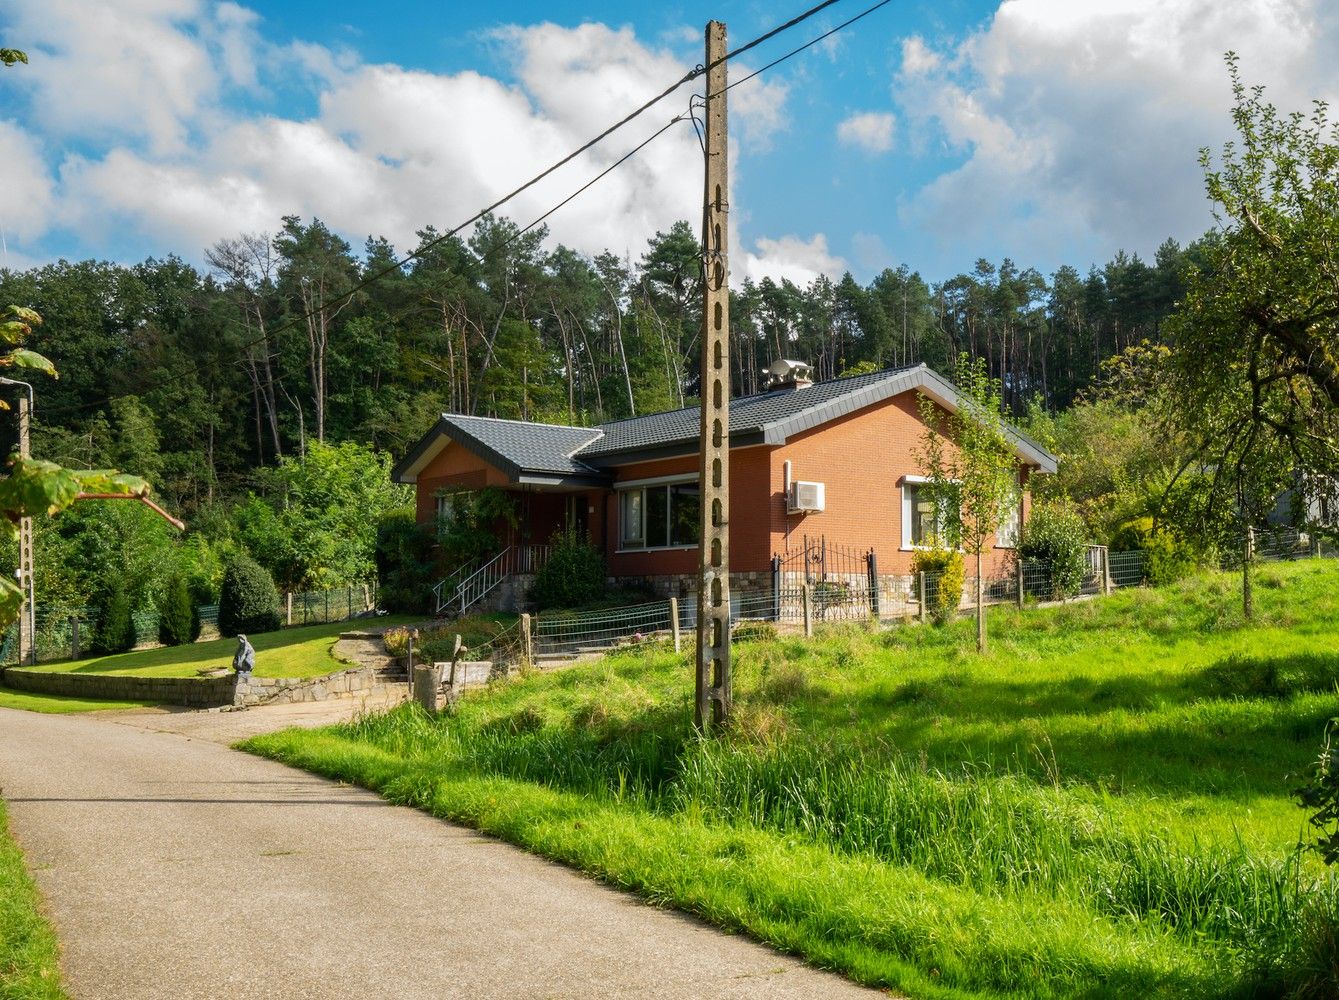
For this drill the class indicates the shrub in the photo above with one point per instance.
(407, 567)
(248, 602)
(1167, 556)
(178, 617)
(1057, 537)
(113, 628)
(948, 574)
(396, 640)
(573, 576)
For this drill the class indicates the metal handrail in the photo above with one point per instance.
(482, 582)
(473, 582)
(450, 585)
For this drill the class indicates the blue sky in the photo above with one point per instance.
(931, 134)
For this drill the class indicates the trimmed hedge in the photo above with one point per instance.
(248, 600)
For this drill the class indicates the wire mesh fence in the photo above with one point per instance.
(572, 632)
(317, 607)
(65, 633)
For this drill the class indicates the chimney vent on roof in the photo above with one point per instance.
(784, 374)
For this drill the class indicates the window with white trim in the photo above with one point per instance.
(924, 523)
(448, 504)
(1011, 521)
(659, 517)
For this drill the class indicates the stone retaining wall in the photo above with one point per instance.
(200, 692)
(193, 692)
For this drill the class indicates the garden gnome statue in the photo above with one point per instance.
(244, 660)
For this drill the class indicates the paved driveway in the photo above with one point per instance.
(174, 867)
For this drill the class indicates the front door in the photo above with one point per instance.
(578, 516)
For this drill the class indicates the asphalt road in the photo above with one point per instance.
(174, 867)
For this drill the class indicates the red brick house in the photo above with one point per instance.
(832, 459)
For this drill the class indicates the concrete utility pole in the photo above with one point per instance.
(712, 707)
(28, 613)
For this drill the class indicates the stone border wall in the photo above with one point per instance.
(193, 692)
(200, 692)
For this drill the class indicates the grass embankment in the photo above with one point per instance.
(28, 969)
(290, 652)
(56, 704)
(1099, 807)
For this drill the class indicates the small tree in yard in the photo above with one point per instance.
(971, 467)
(178, 618)
(114, 627)
(248, 602)
(1256, 373)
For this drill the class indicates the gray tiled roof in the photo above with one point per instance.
(554, 453)
(748, 414)
(518, 447)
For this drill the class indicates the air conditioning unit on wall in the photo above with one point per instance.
(804, 498)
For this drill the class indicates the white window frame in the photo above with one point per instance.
(641, 486)
(1016, 526)
(905, 482)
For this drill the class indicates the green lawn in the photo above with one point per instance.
(28, 969)
(1099, 807)
(290, 652)
(56, 704)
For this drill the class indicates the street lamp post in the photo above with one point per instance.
(28, 613)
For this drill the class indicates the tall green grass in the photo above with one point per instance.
(1108, 792)
(28, 969)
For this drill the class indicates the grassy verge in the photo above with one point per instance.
(28, 969)
(291, 652)
(1100, 807)
(56, 704)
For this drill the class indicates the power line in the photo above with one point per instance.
(430, 245)
(809, 44)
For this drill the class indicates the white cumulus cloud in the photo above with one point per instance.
(871, 131)
(1080, 123)
(790, 257)
(152, 102)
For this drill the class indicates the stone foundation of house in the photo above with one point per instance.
(898, 594)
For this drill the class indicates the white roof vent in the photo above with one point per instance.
(805, 498)
(786, 374)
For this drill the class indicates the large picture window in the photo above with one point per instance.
(658, 517)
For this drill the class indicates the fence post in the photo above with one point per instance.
(288, 600)
(776, 588)
(807, 606)
(527, 642)
(456, 652)
(1250, 541)
(367, 599)
(1018, 573)
(326, 595)
(425, 687)
(873, 585)
(674, 621)
(74, 637)
(1106, 571)
(920, 581)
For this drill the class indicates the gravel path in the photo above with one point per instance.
(174, 867)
